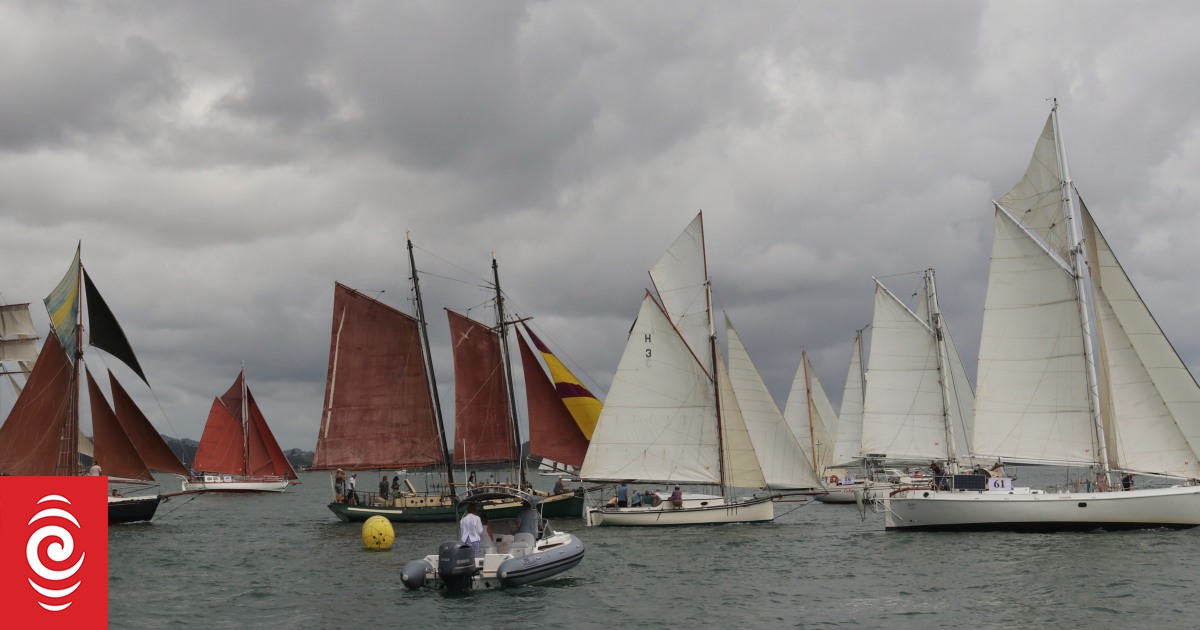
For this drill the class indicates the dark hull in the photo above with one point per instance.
(133, 510)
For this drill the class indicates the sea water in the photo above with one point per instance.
(284, 561)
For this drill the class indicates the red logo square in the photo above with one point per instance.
(54, 552)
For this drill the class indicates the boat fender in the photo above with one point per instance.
(456, 566)
(414, 572)
(833, 479)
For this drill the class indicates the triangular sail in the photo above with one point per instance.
(847, 446)
(263, 455)
(658, 422)
(784, 464)
(104, 332)
(63, 306)
(681, 280)
(904, 412)
(1146, 385)
(112, 448)
(150, 445)
(583, 405)
(1031, 397)
(378, 410)
(223, 443)
(553, 431)
(807, 419)
(741, 468)
(1037, 199)
(30, 439)
(481, 407)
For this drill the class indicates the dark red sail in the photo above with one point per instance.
(112, 449)
(146, 439)
(553, 433)
(222, 445)
(482, 427)
(30, 437)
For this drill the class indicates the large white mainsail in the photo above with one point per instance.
(906, 414)
(784, 464)
(658, 421)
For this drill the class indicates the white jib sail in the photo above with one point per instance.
(741, 466)
(847, 446)
(681, 280)
(805, 420)
(785, 465)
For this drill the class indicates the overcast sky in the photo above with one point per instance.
(224, 163)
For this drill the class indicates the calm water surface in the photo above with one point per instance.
(284, 561)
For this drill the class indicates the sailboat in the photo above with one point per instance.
(812, 418)
(238, 452)
(41, 435)
(1073, 370)
(847, 443)
(671, 416)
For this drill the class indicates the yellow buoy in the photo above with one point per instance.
(377, 534)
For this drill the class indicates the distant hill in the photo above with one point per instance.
(185, 450)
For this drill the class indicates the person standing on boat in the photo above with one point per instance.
(527, 521)
(396, 486)
(677, 497)
(351, 497)
(339, 486)
(95, 469)
(471, 529)
(636, 500)
(384, 487)
(1127, 481)
(623, 495)
(559, 487)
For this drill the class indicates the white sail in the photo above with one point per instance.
(1037, 199)
(18, 337)
(847, 445)
(903, 408)
(1152, 403)
(681, 280)
(825, 418)
(741, 466)
(806, 419)
(1031, 396)
(961, 398)
(784, 464)
(659, 420)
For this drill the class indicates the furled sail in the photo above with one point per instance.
(553, 430)
(378, 410)
(784, 464)
(659, 419)
(483, 431)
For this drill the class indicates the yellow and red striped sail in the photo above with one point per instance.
(584, 407)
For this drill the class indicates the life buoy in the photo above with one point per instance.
(833, 479)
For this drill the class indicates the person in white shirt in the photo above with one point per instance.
(471, 529)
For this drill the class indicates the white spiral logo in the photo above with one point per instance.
(59, 551)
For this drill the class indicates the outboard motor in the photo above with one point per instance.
(414, 572)
(456, 566)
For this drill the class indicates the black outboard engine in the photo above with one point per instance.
(456, 566)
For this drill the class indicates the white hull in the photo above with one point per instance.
(839, 494)
(695, 511)
(1032, 510)
(212, 483)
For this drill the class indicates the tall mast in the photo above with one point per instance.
(508, 379)
(935, 317)
(712, 353)
(1079, 265)
(812, 430)
(430, 380)
(68, 456)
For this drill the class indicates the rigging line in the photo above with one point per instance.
(802, 505)
(154, 394)
(169, 512)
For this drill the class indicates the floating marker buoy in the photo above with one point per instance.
(377, 534)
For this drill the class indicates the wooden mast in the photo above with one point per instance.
(431, 380)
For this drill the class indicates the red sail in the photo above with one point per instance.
(378, 409)
(146, 439)
(481, 411)
(113, 451)
(264, 457)
(553, 433)
(29, 439)
(222, 445)
(232, 398)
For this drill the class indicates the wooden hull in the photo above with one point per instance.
(1024, 510)
(692, 513)
(132, 509)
